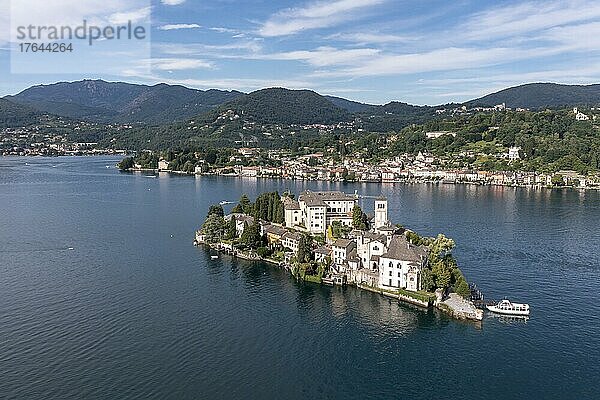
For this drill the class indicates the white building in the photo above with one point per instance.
(579, 116)
(319, 209)
(163, 165)
(513, 153)
(291, 241)
(401, 265)
(370, 247)
(292, 213)
(437, 134)
(241, 220)
(341, 250)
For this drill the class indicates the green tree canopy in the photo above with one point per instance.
(126, 164)
(359, 218)
(213, 228)
(216, 209)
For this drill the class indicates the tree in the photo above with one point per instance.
(427, 280)
(126, 164)
(245, 204)
(263, 252)
(305, 248)
(216, 209)
(414, 238)
(359, 218)
(251, 236)
(231, 228)
(211, 156)
(336, 229)
(213, 228)
(558, 180)
(461, 287)
(440, 247)
(442, 275)
(441, 263)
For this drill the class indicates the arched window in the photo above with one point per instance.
(391, 265)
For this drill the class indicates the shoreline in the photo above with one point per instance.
(404, 182)
(442, 304)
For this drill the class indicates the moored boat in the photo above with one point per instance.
(507, 308)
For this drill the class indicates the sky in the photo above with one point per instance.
(375, 51)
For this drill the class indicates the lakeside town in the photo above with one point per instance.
(325, 237)
(368, 157)
(406, 168)
(56, 137)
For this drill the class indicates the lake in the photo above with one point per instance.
(103, 296)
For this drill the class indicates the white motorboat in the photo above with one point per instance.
(214, 257)
(505, 307)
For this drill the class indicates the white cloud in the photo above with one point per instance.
(172, 2)
(171, 27)
(221, 29)
(532, 16)
(316, 15)
(587, 74)
(73, 12)
(180, 64)
(371, 38)
(135, 16)
(237, 49)
(582, 37)
(324, 56)
(436, 60)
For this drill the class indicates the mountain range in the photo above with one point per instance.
(542, 95)
(118, 102)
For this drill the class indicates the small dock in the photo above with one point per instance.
(479, 299)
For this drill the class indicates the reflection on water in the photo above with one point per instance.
(135, 311)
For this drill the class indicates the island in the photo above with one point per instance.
(326, 238)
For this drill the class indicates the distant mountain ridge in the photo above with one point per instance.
(119, 102)
(542, 95)
(162, 104)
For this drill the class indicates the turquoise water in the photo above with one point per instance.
(98, 301)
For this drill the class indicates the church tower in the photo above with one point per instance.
(381, 212)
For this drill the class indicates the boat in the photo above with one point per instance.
(505, 307)
(214, 257)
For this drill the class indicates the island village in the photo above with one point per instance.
(325, 237)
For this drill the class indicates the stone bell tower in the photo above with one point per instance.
(381, 212)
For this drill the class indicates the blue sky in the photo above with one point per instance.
(421, 52)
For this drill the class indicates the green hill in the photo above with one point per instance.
(110, 102)
(13, 115)
(284, 106)
(542, 95)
